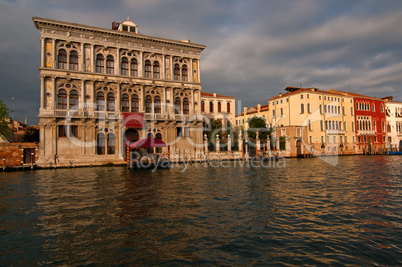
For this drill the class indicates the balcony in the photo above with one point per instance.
(365, 132)
(336, 132)
(68, 113)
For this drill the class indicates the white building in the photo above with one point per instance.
(394, 123)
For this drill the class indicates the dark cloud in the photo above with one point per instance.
(254, 48)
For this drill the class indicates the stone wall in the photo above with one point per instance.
(18, 154)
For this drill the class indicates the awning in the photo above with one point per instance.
(148, 142)
(133, 120)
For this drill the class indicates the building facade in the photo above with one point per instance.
(328, 117)
(393, 111)
(258, 112)
(219, 107)
(102, 87)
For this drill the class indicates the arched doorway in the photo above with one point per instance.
(129, 135)
(158, 149)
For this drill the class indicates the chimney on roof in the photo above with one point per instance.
(244, 110)
(259, 107)
(280, 94)
(214, 94)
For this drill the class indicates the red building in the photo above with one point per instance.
(370, 121)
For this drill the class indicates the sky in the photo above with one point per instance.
(255, 48)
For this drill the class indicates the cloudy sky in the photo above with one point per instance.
(255, 48)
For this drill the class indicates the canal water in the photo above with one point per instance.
(293, 212)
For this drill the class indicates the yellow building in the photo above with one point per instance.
(313, 121)
(258, 111)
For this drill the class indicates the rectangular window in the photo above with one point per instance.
(301, 96)
(73, 131)
(322, 139)
(346, 139)
(311, 139)
(62, 131)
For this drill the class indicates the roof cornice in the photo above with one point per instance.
(42, 22)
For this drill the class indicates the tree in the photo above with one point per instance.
(4, 115)
(257, 124)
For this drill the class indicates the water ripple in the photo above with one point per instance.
(308, 213)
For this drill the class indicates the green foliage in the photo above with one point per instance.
(4, 114)
(257, 124)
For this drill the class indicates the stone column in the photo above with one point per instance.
(268, 144)
(217, 144)
(43, 48)
(229, 143)
(140, 65)
(42, 92)
(205, 143)
(54, 90)
(287, 144)
(258, 143)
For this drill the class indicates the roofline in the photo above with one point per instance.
(38, 20)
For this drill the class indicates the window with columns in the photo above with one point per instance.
(62, 99)
(211, 107)
(228, 107)
(110, 102)
(186, 106)
(135, 104)
(148, 104)
(100, 63)
(184, 74)
(100, 101)
(62, 59)
(124, 66)
(109, 65)
(147, 69)
(74, 60)
(157, 104)
(177, 104)
(156, 70)
(125, 103)
(134, 67)
(202, 106)
(73, 100)
(176, 72)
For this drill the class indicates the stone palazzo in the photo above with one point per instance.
(102, 87)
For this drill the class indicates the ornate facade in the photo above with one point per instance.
(101, 87)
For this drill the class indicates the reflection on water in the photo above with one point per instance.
(309, 212)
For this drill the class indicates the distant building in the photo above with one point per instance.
(219, 107)
(259, 111)
(101, 87)
(370, 121)
(393, 111)
(313, 121)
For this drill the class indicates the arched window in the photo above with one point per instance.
(74, 60)
(100, 144)
(156, 70)
(202, 106)
(301, 108)
(73, 100)
(124, 66)
(147, 70)
(134, 67)
(228, 107)
(308, 108)
(186, 106)
(148, 104)
(184, 73)
(111, 144)
(62, 59)
(176, 72)
(125, 103)
(62, 99)
(177, 104)
(325, 108)
(100, 64)
(109, 65)
(135, 105)
(110, 102)
(100, 102)
(157, 104)
(320, 109)
(281, 112)
(211, 107)
(219, 107)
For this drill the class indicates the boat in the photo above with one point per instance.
(139, 158)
